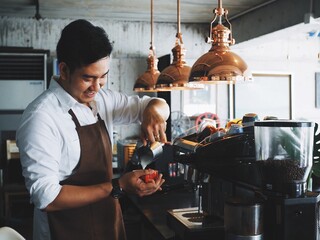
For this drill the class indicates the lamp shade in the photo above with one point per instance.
(146, 82)
(176, 75)
(220, 65)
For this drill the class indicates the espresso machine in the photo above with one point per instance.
(256, 182)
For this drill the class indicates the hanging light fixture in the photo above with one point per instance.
(37, 16)
(147, 81)
(176, 76)
(220, 64)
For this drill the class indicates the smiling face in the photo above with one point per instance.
(83, 83)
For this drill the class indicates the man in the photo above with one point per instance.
(65, 147)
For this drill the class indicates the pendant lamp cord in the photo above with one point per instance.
(179, 35)
(37, 16)
(311, 6)
(152, 47)
(221, 11)
(178, 15)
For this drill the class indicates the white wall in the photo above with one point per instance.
(289, 51)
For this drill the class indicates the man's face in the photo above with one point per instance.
(85, 82)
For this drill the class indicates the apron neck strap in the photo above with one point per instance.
(75, 119)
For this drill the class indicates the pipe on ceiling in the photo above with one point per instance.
(252, 9)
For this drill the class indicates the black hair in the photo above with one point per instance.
(81, 43)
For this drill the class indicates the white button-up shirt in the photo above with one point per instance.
(49, 144)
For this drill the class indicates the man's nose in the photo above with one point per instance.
(96, 85)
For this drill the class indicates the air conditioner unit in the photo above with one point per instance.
(23, 77)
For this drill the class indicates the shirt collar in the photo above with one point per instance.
(66, 100)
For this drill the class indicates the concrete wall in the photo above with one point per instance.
(131, 42)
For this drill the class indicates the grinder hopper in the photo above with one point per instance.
(284, 153)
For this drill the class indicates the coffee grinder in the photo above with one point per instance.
(284, 156)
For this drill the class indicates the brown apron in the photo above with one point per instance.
(101, 220)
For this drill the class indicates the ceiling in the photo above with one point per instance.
(191, 11)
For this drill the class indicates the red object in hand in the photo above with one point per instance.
(149, 177)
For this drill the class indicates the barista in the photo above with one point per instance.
(65, 146)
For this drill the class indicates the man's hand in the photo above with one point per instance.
(132, 182)
(153, 127)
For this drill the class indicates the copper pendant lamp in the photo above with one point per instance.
(147, 81)
(176, 75)
(220, 64)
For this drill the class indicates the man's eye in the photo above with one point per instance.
(87, 79)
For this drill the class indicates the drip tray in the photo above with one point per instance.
(188, 223)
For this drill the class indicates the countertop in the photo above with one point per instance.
(158, 209)
(154, 208)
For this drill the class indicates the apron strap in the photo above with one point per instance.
(99, 116)
(74, 118)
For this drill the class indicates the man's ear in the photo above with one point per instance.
(64, 71)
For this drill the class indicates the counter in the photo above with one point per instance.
(155, 211)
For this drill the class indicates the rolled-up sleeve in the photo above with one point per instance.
(120, 108)
(40, 148)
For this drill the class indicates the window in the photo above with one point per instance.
(195, 102)
(267, 95)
